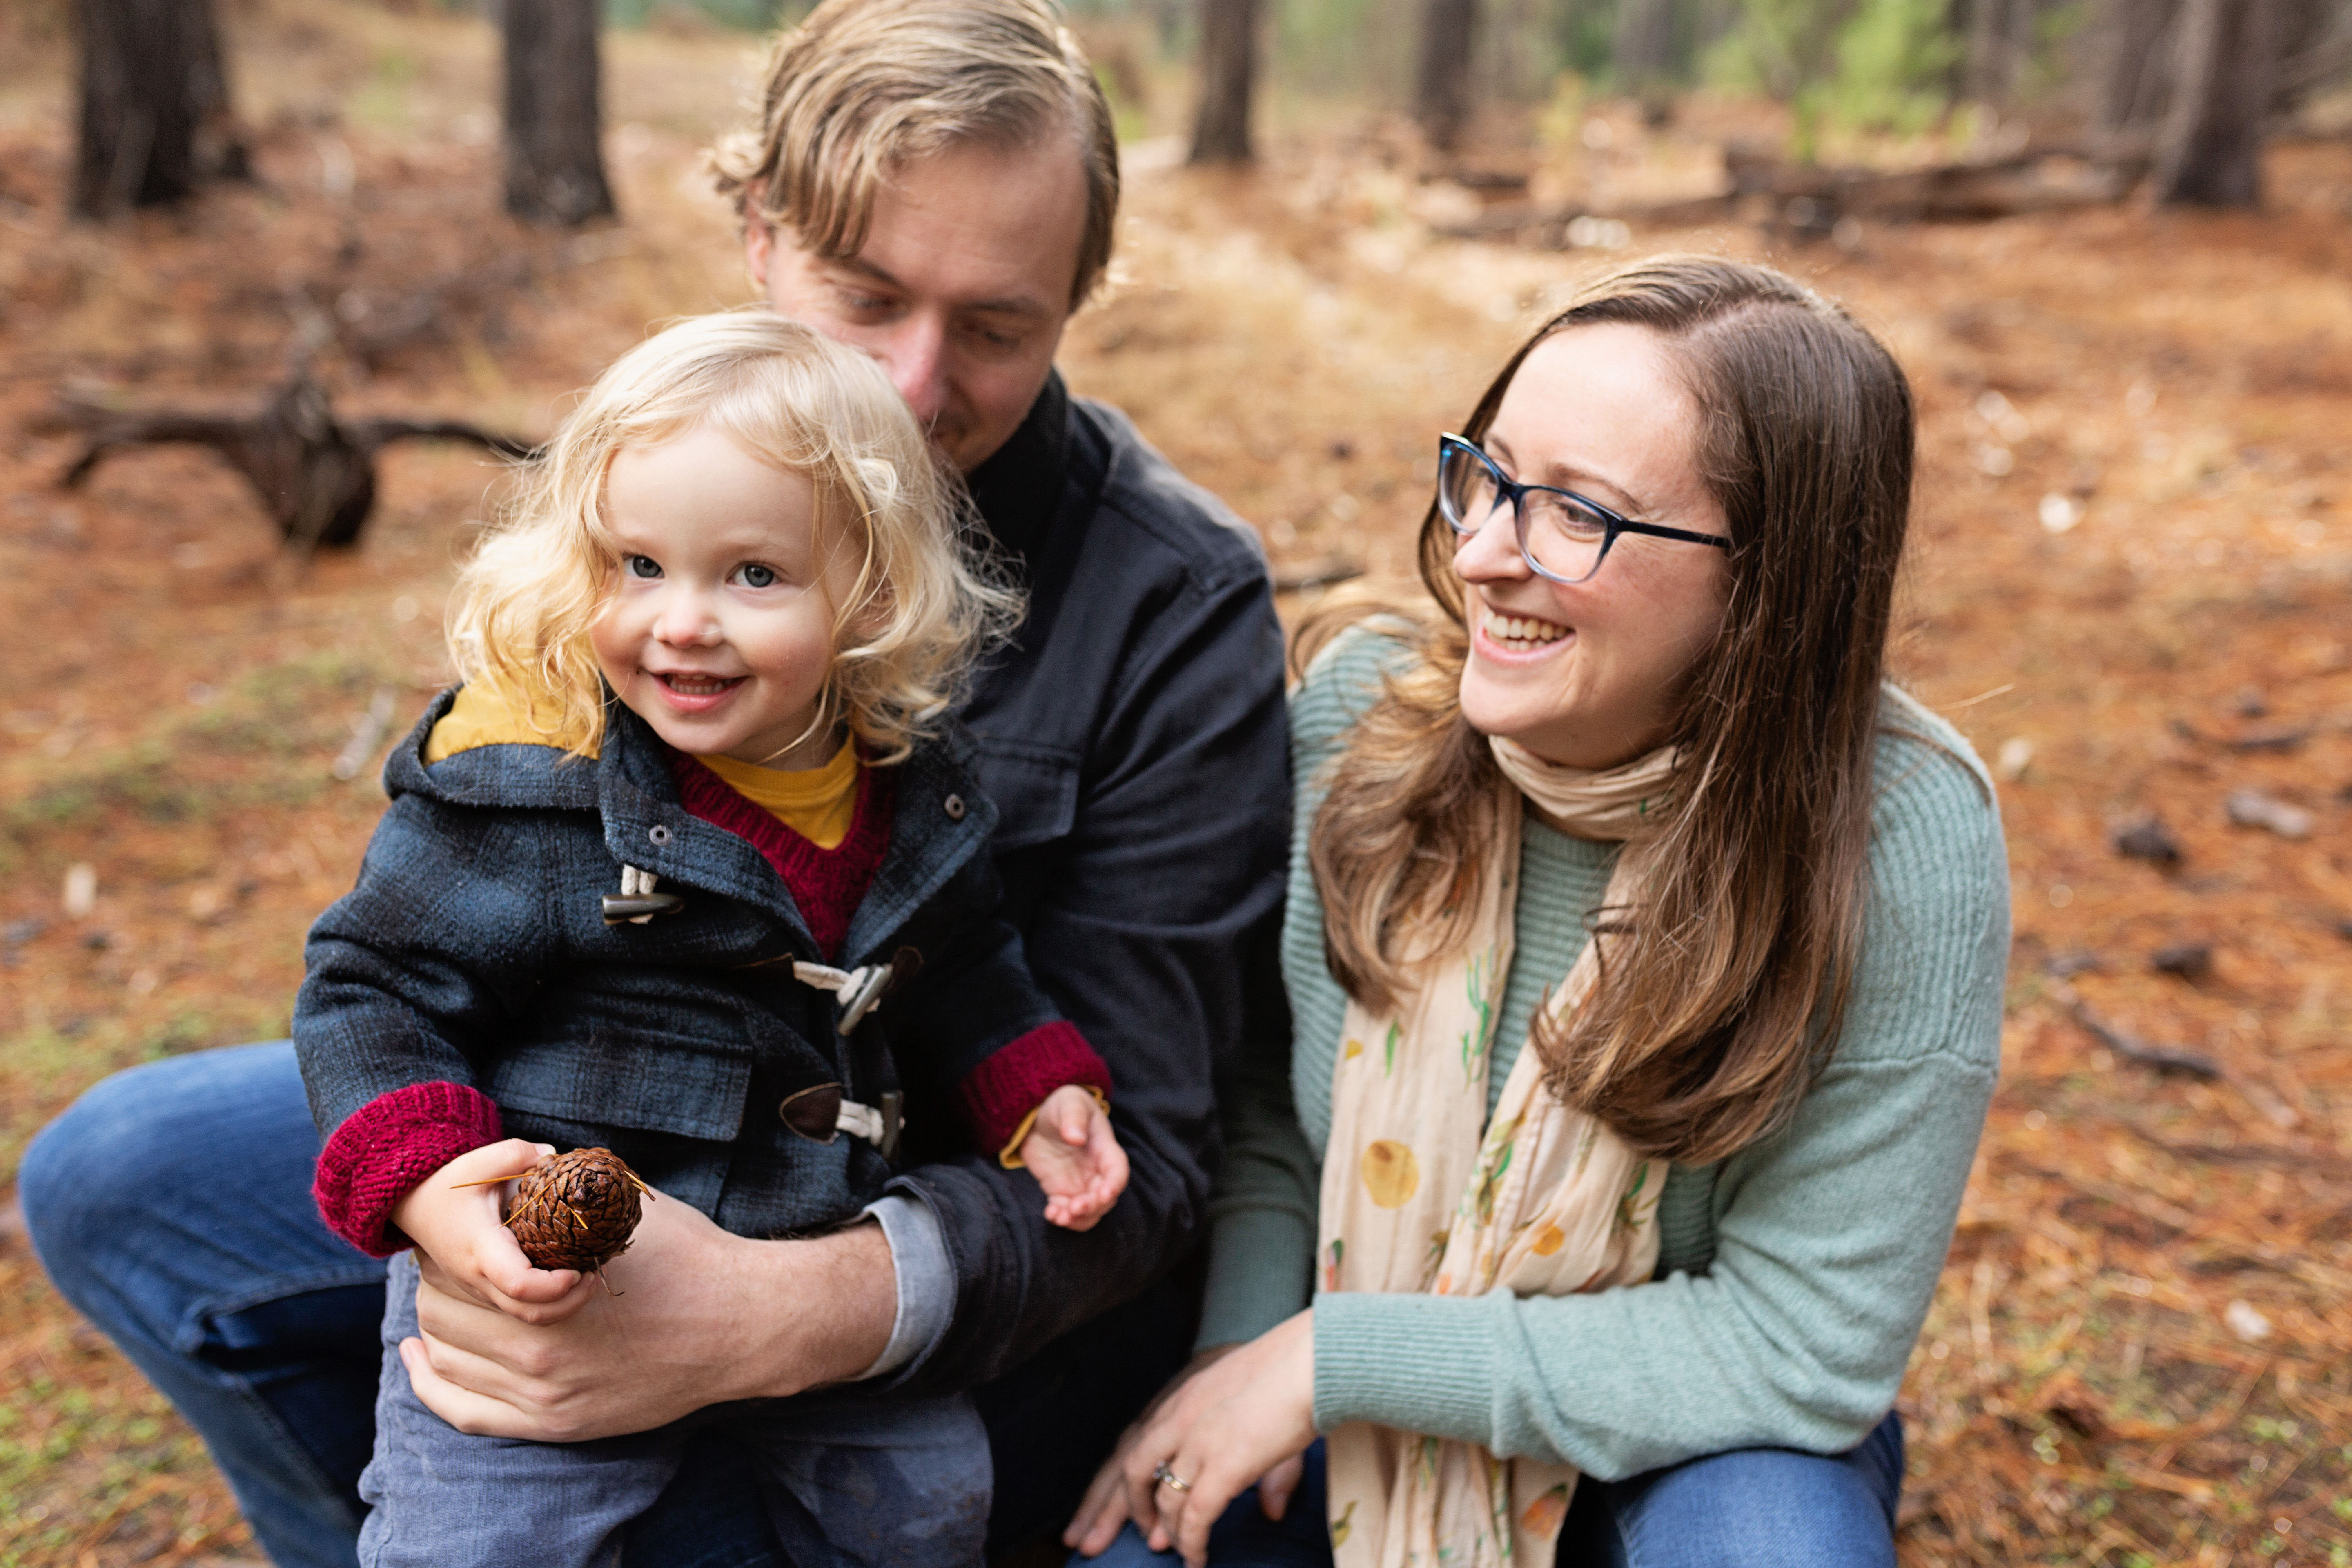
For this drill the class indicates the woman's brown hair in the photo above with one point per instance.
(1722, 991)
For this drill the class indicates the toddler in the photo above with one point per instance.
(696, 829)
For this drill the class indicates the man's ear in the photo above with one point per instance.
(759, 249)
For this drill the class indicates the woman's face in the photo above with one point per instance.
(1589, 675)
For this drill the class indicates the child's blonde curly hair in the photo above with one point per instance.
(927, 602)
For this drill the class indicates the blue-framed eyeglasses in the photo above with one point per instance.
(1563, 536)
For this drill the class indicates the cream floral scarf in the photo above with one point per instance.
(1548, 1202)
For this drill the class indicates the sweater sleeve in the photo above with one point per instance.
(1262, 1206)
(1000, 1096)
(1829, 1236)
(386, 1147)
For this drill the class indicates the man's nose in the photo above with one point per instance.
(916, 355)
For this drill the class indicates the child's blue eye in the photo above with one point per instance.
(758, 576)
(644, 566)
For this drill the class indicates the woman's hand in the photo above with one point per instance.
(454, 1216)
(1244, 1417)
(1104, 1508)
(696, 1317)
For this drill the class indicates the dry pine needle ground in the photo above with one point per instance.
(2132, 588)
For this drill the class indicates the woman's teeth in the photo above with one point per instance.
(1516, 634)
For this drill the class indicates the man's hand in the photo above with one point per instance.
(695, 1317)
(453, 1217)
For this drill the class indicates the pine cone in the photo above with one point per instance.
(576, 1210)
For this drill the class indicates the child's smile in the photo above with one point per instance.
(719, 631)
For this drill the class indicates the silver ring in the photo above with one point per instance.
(1168, 1477)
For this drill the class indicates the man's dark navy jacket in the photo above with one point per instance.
(1135, 742)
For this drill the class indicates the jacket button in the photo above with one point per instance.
(953, 806)
(659, 833)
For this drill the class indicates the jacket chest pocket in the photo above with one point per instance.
(679, 1064)
(1035, 789)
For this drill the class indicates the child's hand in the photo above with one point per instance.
(1076, 1157)
(454, 1215)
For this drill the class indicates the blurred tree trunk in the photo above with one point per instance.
(2137, 71)
(2311, 46)
(154, 104)
(556, 162)
(1644, 53)
(1221, 132)
(1999, 42)
(1441, 99)
(2211, 151)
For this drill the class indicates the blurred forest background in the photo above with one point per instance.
(356, 248)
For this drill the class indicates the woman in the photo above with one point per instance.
(1646, 954)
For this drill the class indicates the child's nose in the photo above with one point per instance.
(686, 620)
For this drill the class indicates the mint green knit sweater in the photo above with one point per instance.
(1792, 1277)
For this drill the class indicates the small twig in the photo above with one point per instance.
(1980, 697)
(2256, 1154)
(367, 732)
(2163, 1059)
(1319, 573)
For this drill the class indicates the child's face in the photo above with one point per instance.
(719, 631)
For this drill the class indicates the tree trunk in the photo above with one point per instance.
(154, 104)
(1221, 132)
(555, 164)
(1992, 63)
(2211, 151)
(2137, 71)
(1442, 85)
(1642, 57)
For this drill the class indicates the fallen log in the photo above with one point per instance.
(1812, 199)
(315, 474)
(1962, 192)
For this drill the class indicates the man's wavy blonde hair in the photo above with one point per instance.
(928, 600)
(863, 86)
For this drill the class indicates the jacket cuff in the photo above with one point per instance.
(926, 1280)
(1000, 1095)
(386, 1147)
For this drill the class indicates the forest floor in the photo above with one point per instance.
(2132, 588)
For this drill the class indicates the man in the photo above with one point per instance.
(933, 182)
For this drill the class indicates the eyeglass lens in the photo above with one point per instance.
(1563, 539)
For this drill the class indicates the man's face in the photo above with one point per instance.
(961, 290)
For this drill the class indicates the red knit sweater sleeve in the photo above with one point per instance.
(998, 1096)
(386, 1147)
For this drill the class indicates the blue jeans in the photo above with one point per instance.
(171, 1205)
(856, 1478)
(1752, 1508)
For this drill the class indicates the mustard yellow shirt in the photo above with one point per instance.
(816, 803)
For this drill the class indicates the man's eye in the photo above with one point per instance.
(644, 566)
(996, 340)
(758, 576)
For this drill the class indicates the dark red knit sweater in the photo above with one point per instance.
(386, 1147)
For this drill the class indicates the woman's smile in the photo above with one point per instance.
(1516, 636)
